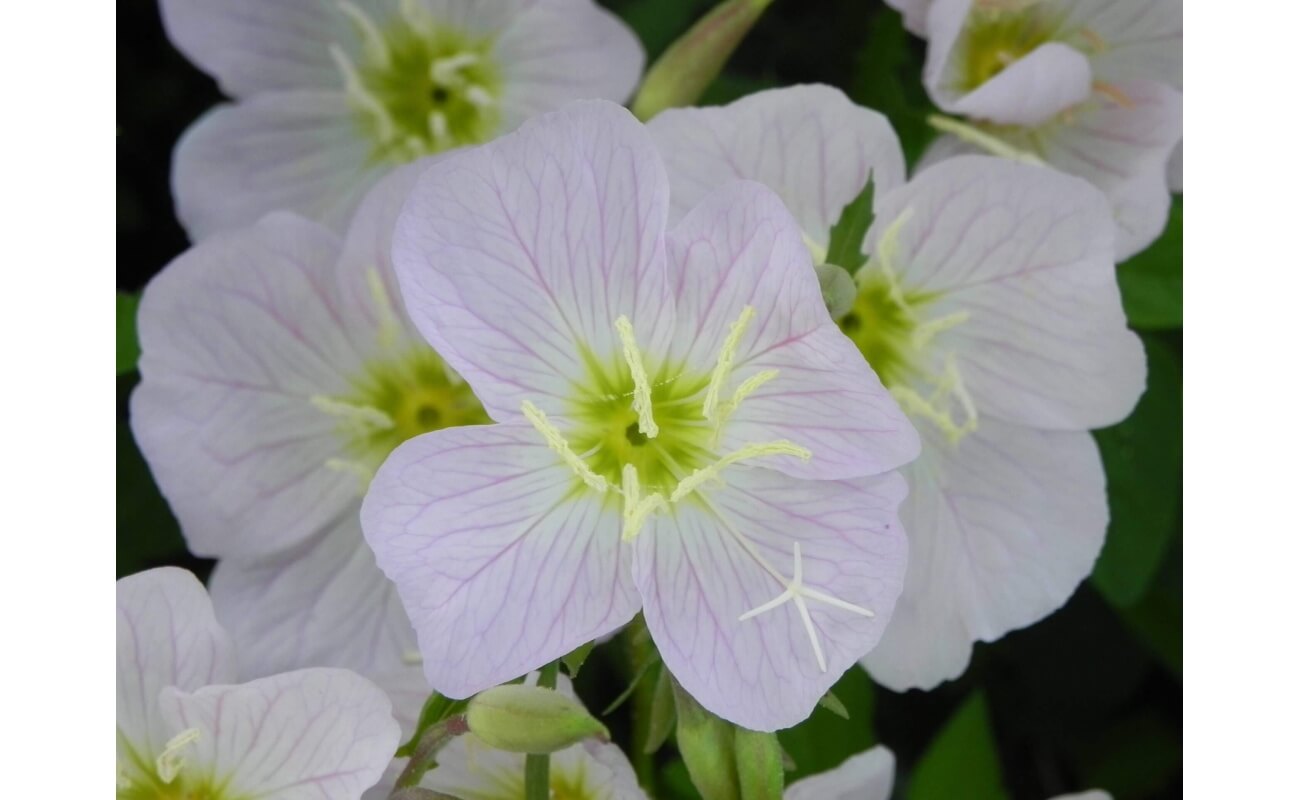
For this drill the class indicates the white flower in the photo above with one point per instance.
(331, 94)
(183, 729)
(989, 308)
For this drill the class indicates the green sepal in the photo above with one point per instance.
(435, 709)
(663, 712)
(850, 230)
(573, 661)
(833, 704)
(708, 746)
(760, 765)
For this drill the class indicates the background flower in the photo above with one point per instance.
(332, 95)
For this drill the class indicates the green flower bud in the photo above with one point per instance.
(530, 719)
(690, 64)
(838, 289)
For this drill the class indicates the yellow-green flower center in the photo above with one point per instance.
(419, 87)
(166, 777)
(997, 35)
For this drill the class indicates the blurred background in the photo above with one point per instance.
(1090, 697)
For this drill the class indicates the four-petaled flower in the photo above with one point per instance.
(989, 308)
(681, 430)
(184, 729)
(332, 94)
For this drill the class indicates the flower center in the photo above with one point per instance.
(890, 325)
(650, 432)
(166, 778)
(397, 398)
(999, 33)
(419, 87)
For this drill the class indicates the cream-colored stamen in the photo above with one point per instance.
(697, 478)
(743, 391)
(637, 509)
(641, 402)
(446, 71)
(357, 92)
(982, 139)
(557, 443)
(365, 419)
(725, 358)
(171, 760)
(374, 40)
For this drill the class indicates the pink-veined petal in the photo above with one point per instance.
(166, 636)
(740, 248)
(563, 50)
(1002, 528)
(810, 144)
(237, 335)
(1028, 254)
(1132, 39)
(865, 776)
(302, 151)
(314, 734)
(705, 563)
(503, 558)
(516, 257)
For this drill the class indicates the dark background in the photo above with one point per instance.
(1090, 697)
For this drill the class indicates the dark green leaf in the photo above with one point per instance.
(573, 661)
(631, 687)
(1151, 282)
(826, 739)
(1157, 620)
(1143, 457)
(849, 231)
(128, 345)
(888, 79)
(962, 761)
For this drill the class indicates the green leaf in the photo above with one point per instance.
(128, 345)
(759, 765)
(147, 533)
(1157, 620)
(573, 661)
(436, 708)
(1151, 282)
(708, 746)
(888, 80)
(826, 738)
(849, 231)
(663, 712)
(962, 761)
(1143, 456)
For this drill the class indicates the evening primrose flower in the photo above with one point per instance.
(589, 770)
(989, 308)
(682, 430)
(185, 730)
(1120, 141)
(278, 371)
(1022, 62)
(332, 94)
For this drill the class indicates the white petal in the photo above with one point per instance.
(469, 769)
(166, 636)
(517, 256)
(324, 604)
(255, 46)
(705, 563)
(1140, 39)
(503, 559)
(238, 334)
(914, 13)
(740, 248)
(809, 144)
(563, 50)
(1002, 528)
(299, 151)
(866, 776)
(315, 734)
(1027, 253)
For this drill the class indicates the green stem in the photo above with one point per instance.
(423, 758)
(537, 769)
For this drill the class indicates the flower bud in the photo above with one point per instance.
(838, 289)
(690, 64)
(530, 719)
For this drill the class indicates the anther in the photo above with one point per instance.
(171, 760)
(557, 443)
(725, 358)
(641, 399)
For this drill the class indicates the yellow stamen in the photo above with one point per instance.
(748, 387)
(641, 402)
(358, 93)
(364, 418)
(725, 358)
(982, 139)
(171, 760)
(637, 509)
(561, 447)
(781, 447)
(950, 384)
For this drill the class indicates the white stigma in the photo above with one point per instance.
(796, 591)
(171, 760)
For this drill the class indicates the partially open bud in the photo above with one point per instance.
(530, 719)
(838, 289)
(690, 64)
